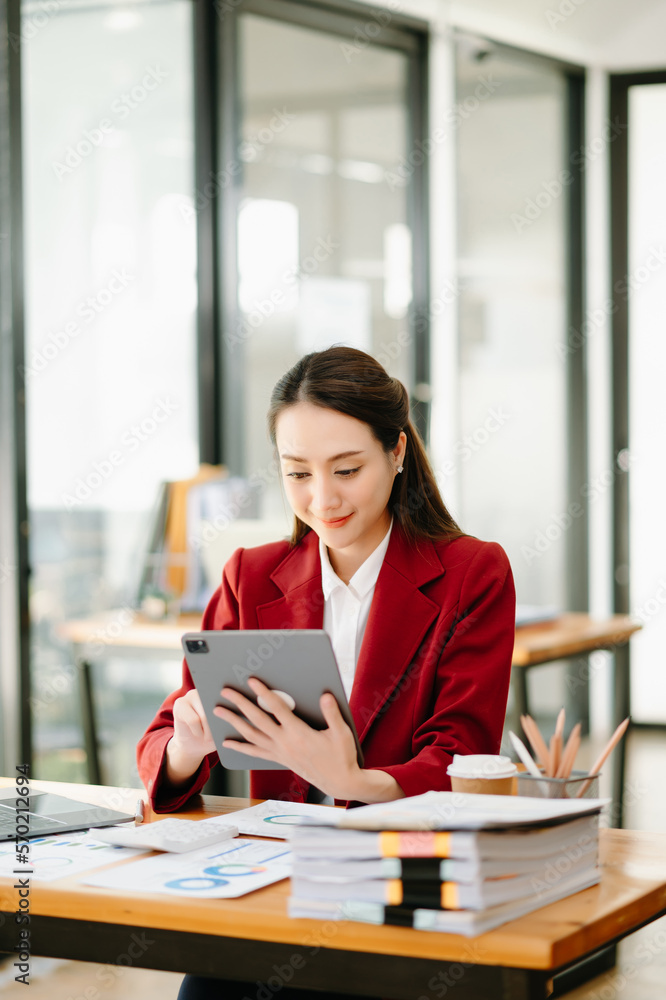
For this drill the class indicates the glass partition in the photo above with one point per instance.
(323, 235)
(510, 458)
(644, 290)
(110, 374)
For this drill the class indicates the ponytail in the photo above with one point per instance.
(415, 500)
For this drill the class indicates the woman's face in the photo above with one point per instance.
(338, 479)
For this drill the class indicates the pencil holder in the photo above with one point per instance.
(558, 788)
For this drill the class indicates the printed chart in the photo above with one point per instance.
(273, 818)
(62, 854)
(230, 869)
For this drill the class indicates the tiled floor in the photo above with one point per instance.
(639, 975)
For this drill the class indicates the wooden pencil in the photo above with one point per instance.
(569, 752)
(555, 753)
(537, 741)
(601, 759)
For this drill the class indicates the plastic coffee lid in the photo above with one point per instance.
(481, 765)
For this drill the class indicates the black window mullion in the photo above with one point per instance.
(222, 399)
(231, 401)
(417, 207)
(619, 187)
(205, 208)
(361, 24)
(577, 535)
(14, 559)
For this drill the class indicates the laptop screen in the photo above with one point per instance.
(49, 814)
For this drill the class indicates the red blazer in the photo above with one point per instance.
(433, 673)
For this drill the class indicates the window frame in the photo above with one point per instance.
(217, 121)
(619, 267)
(576, 363)
(576, 540)
(619, 197)
(16, 747)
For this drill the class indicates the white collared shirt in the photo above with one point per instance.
(347, 606)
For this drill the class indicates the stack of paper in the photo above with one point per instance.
(444, 861)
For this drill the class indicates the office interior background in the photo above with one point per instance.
(194, 194)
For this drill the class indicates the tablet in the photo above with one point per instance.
(298, 663)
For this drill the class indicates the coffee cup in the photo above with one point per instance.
(483, 773)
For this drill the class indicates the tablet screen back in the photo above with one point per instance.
(298, 662)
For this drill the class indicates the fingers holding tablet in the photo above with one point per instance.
(272, 731)
(262, 724)
(273, 680)
(191, 729)
(272, 700)
(191, 740)
(286, 698)
(331, 712)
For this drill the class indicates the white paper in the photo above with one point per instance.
(274, 818)
(457, 811)
(222, 872)
(61, 855)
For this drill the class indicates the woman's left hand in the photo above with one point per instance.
(325, 758)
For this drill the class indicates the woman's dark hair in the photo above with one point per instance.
(354, 383)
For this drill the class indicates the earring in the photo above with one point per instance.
(399, 468)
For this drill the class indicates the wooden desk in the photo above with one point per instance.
(122, 635)
(252, 938)
(571, 634)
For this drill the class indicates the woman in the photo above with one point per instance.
(421, 616)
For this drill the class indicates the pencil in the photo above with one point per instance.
(556, 744)
(524, 755)
(601, 759)
(533, 734)
(559, 725)
(569, 752)
(555, 754)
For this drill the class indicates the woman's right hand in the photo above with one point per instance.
(191, 739)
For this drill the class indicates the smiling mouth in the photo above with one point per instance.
(336, 522)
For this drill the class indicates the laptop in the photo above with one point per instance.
(51, 814)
